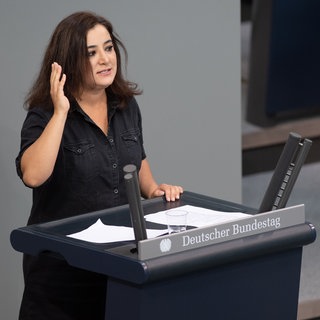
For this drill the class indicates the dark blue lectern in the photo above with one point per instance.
(254, 277)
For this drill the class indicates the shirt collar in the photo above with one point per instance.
(113, 104)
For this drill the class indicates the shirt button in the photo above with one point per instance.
(116, 191)
(111, 140)
(114, 165)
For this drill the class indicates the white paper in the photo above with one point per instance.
(102, 233)
(198, 217)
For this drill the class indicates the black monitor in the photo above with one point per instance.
(286, 172)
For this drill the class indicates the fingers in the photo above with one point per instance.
(172, 193)
(57, 82)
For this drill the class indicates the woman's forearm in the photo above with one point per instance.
(38, 160)
(150, 188)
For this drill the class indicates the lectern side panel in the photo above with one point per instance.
(261, 288)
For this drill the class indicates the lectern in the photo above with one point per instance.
(251, 277)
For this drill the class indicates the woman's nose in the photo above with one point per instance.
(103, 56)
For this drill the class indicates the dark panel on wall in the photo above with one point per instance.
(284, 66)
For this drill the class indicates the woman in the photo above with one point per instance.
(83, 126)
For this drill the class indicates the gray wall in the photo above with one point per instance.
(185, 55)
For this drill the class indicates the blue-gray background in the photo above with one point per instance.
(186, 57)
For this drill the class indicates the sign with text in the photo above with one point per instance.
(213, 234)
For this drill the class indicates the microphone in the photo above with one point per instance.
(134, 199)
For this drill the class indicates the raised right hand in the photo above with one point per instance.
(60, 101)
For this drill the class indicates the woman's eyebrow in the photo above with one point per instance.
(93, 46)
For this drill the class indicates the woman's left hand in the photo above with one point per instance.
(171, 193)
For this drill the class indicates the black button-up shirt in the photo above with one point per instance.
(88, 174)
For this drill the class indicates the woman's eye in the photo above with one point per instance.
(91, 53)
(109, 48)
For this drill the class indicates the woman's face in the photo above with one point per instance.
(102, 58)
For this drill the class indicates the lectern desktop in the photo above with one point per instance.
(252, 277)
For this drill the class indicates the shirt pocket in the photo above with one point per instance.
(80, 161)
(132, 142)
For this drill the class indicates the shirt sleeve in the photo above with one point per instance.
(33, 126)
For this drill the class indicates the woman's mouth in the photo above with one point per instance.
(105, 71)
